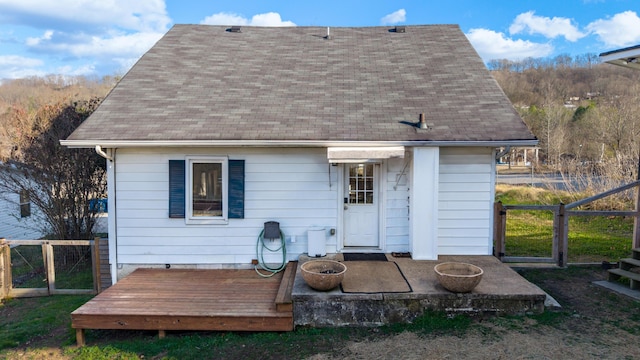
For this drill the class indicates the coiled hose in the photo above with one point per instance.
(261, 246)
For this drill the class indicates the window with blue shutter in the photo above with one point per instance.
(205, 203)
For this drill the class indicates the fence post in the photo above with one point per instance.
(97, 276)
(49, 266)
(5, 268)
(560, 236)
(636, 222)
(499, 228)
(565, 239)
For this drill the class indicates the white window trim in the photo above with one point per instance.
(207, 220)
(22, 203)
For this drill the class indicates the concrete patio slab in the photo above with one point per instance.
(502, 291)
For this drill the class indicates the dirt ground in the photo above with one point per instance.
(593, 323)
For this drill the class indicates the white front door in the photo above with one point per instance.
(361, 205)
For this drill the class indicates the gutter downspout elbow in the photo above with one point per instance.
(501, 153)
(103, 153)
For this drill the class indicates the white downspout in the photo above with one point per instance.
(503, 152)
(111, 203)
(103, 153)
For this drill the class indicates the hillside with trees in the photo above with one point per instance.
(22, 99)
(585, 114)
(35, 114)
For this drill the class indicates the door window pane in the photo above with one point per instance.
(361, 184)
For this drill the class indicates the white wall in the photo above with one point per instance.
(293, 187)
(423, 223)
(12, 226)
(299, 189)
(397, 205)
(466, 193)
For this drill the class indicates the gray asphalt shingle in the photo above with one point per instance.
(202, 82)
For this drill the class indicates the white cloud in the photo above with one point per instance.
(545, 26)
(267, 19)
(113, 32)
(82, 70)
(225, 19)
(35, 41)
(494, 45)
(117, 45)
(14, 60)
(15, 67)
(394, 18)
(112, 47)
(136, 15)
(622, 29)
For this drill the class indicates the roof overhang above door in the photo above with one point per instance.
(363, 154)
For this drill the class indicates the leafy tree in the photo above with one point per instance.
(61, 182)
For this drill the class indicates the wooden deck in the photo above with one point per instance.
(191, 299)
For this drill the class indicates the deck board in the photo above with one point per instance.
(187, 299)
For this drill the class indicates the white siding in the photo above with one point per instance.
(293, 187)
(465, 201)
(12, 226)
(298, 189)
(397, 205)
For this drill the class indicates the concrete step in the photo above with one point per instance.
(615, 274)
(635, 253)
(628, 263)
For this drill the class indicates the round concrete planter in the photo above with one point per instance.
(323, 275)
(458, 277)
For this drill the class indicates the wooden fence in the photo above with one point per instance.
(561, 214)
(100, 279)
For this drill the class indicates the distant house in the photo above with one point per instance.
(218, 130)
(18, 218)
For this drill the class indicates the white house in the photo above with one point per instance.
(218, 130)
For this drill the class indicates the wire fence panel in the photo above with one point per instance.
(49, 267)
(599, 238)
(529, 233)
(27, 267)
(73, 267)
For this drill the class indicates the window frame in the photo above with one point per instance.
(25, 203)
(206, 220)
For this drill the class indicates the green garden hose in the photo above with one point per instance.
(261, 246)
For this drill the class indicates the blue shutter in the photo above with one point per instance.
(236, 189)
(176, 188)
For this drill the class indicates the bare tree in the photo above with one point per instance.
(61, 182)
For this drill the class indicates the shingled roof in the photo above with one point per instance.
(210, 85)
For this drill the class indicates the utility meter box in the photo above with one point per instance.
(317, 240)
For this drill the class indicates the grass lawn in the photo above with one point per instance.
(593, 323)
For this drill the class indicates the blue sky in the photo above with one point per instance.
(97, 38)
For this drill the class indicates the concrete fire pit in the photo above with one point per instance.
(323, 275)
(458, 277)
